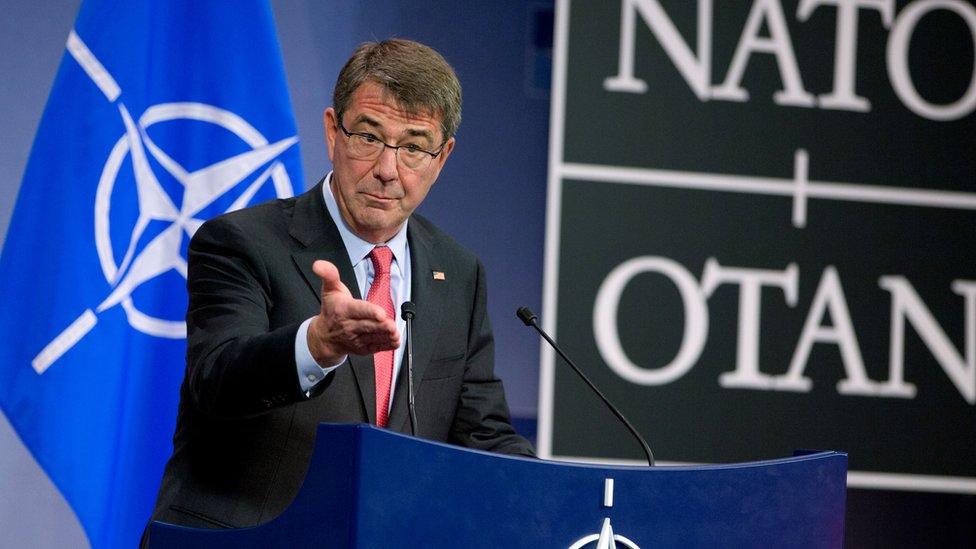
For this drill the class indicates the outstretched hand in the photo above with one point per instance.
(346, 325)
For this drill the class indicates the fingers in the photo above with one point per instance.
(346, 325)
(372, 340)
(337, 302)
(357, 309)
(329, 338)
(366, 331)
(331, 283)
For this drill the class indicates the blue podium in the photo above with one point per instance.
(369, 487)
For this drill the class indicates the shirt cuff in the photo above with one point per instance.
(309, 371)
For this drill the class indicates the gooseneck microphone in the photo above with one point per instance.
(529, 318)
(407, 311)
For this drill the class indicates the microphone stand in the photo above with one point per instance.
(529, 318)
(407, 311)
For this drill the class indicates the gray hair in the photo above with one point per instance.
(420, 80)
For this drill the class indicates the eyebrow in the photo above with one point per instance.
(410, 131)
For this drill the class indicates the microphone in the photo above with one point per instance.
(407, 311)
(529, 318)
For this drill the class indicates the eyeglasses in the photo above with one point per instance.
(365, 146)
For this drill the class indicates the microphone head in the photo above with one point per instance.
(527, 316)
(408, 310)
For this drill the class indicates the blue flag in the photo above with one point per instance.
(162, 115)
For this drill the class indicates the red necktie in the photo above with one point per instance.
(379, 293)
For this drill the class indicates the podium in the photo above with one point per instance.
(369, 487)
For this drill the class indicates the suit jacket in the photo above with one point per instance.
(245, 430)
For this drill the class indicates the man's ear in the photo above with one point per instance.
(330, 123)
(441, 159)
(445, 152)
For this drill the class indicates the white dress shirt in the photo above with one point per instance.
(310, 372)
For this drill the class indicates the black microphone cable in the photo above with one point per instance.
(529, 318)
(407, 311)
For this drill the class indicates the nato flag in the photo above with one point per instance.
(162, 115)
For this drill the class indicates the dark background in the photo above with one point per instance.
(602, 224)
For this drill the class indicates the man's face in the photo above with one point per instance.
(376, 196)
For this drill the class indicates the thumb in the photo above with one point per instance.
(330, 277)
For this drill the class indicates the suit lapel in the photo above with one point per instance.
(428, 297)
(312, 226)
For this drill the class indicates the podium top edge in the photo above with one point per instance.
(369, 430)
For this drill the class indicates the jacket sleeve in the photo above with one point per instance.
(236, 365)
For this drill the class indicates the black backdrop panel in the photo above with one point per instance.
(830, 248)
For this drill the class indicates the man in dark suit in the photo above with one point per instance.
(280, 336)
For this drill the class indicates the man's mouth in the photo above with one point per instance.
(379, 198)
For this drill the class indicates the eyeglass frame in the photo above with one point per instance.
(396, 148)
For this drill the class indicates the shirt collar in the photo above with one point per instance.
(358, 248)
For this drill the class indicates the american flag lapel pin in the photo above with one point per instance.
(439, 275)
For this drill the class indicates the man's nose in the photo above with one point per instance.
(385, 168)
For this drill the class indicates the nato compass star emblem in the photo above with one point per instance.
(606, 539)
(201, 188)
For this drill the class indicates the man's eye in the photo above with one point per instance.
(411, 148)
(369, 138)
